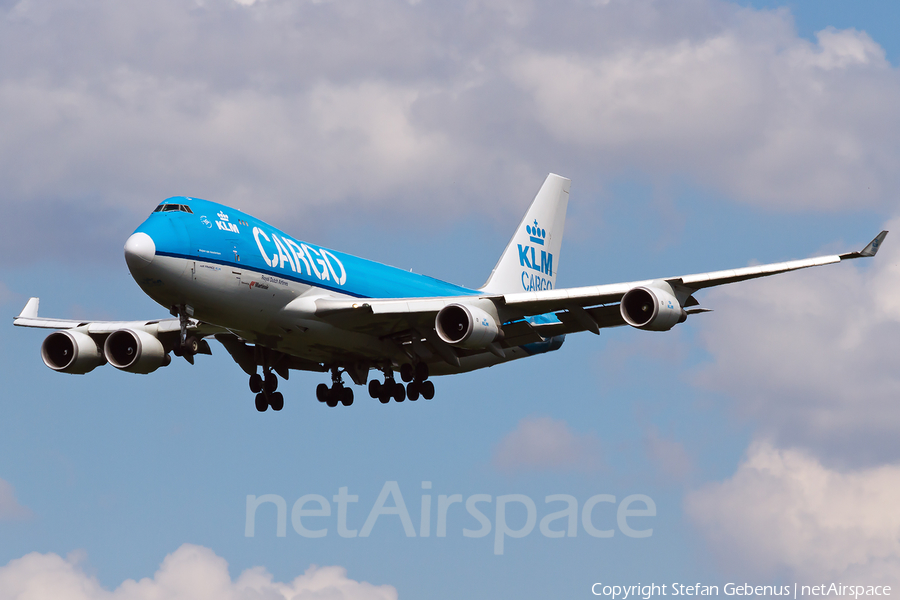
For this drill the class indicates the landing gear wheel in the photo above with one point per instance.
(407, 372)
(427, 390)
(375, 388)
(346, 396)
(276, 401)
(322, 392)
(271, 382)
(261, 403)
(399, 392)
(333, 397)
(384, 398)
(191, 345)
(256, 383)
(421, 371)
(412, 391)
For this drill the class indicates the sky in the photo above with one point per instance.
(752, 444)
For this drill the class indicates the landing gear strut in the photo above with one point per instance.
(336, 393)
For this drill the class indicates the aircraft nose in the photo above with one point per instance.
(139, 251)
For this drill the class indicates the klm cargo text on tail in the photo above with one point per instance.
(528, 258)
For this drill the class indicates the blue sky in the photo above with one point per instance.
(698, 136)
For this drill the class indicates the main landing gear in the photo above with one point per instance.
(336, 393)
(415, 376)
(265, 390)
(418, 384)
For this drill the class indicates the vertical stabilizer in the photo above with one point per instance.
(531, 259)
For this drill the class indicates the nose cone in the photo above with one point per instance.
(139, 251)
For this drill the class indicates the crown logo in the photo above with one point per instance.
(222, 216)
(536, 234)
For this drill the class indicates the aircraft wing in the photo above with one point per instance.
(29, 318)
(565, 310)
(552, 300)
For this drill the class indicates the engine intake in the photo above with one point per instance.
(466, 326)
(135, 351)
(651, 308)
(71, 352)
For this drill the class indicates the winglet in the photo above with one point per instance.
(870, 250)
(874, 245)
(31, 309)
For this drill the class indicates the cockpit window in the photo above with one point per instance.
(173, 207)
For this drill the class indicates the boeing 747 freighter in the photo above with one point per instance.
(279, 304)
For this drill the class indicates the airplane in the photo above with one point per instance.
(278, 304)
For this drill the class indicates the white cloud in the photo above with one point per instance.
(750, 110)
(333, 141)
(813, 358)
(783, 509)
(543, 443)
(10, 509)
(190, 572)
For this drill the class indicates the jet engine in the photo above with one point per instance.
(651, 308)
(71, 352)
(466, 326)
(135, 351)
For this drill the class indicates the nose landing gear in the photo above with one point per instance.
(188, 345)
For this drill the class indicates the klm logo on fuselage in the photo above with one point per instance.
(541, 263)
(224, 225)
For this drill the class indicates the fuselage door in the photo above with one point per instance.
(236, 257)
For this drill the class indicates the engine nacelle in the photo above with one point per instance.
(466, 326)
(651, 308)
(71, 352)
(135, 351)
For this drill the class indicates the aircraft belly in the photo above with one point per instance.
(321, 342)
(476, 361)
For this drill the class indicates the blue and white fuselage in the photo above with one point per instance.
(240, 273)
